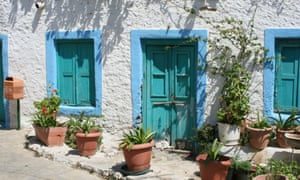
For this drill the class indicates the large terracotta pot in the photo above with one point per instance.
(293, 140)
(139, 156)
(259, 138)
(87, 144)
(270, 176)
(52, 136)
(213, 170)
(280, 139)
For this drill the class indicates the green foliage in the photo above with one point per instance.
(290, 122)
(261, 123)
(81, 123)
(279, 167)
(241, 165)
(214, 151)
(234, 51)
(136, 136)
(234, 100)
(205, 136)
(244, 138)
(46, 110)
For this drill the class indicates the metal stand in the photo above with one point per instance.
(18, 114)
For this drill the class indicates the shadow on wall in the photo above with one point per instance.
(63, 14)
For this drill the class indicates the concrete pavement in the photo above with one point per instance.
(38, 161)
(19, 163)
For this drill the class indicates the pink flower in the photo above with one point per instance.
(44, 109)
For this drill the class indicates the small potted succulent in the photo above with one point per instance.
(259, 133)
(137, 148)
(87, 134)
(284, 125)
(47, 129)
(212, 165)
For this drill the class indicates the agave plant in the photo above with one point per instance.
(285, 124)
(136, 136)
(213, 153)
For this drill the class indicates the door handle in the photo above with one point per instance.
(168, 102)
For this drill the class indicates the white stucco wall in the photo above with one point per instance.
(26, 27)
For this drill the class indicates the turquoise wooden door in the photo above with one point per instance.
(287, 75)
(2, 115)
(168, 90)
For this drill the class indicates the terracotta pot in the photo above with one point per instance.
(52, 136)
(213, 170)
(292, 140)
(270, 177)
(87, 144)
(139, 156)
(259, 138)
(280, 139)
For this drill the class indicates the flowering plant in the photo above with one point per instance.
(47, 108)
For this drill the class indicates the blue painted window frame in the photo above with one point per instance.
(4, 39)
(269, 67)
(51, 67)
(137, 67)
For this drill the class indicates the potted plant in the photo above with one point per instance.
(47, 129)
(137, 148)
(204, 136)
(277, 170)
(234, 52)
(240, 169)
(259, 133)
(283, 126)
(212, 165)
(87, 134)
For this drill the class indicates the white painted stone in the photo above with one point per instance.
(26, 27)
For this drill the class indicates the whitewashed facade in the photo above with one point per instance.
(25, 27)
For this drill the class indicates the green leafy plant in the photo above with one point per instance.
(46, 110)
(213, 153)
(81, 123)
(136, 136)
(234, 52)
(241, 165)
(290, 122)
(261, 123)
(204, 136)
(279, 167)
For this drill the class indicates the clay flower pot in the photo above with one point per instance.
(51, 136)
(87, 144)
(259, 138)
(139, 156)
(280, 139)
(213, 170)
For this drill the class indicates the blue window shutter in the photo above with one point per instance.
(66, 56)
(76, 77)
(287, 78)
(85, 74)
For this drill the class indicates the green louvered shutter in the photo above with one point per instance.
(85, 75)
(66, 71)
(76, 72)
(2, 115)
(287, 78)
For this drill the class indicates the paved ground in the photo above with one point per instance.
(37, 161)
(18, 163)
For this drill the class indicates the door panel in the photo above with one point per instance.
(168, 91)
